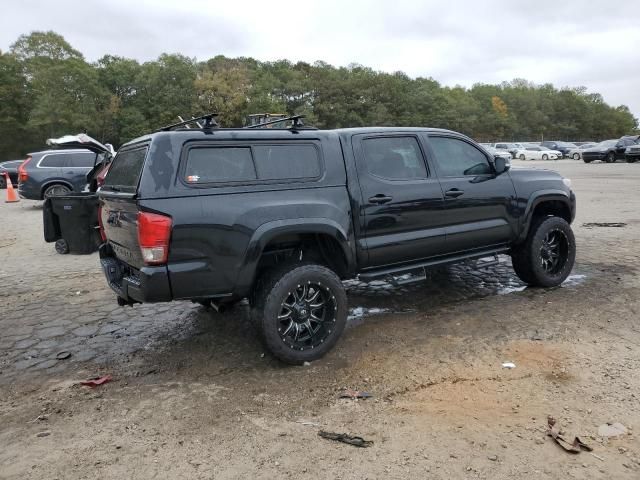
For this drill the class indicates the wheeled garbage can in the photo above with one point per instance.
(72, 222)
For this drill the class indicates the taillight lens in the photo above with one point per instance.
(103, 235)
(154, 232)
(102, 174)
(23, 176)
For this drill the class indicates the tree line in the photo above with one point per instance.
(48, 89)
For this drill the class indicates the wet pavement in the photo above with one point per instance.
(88, 324)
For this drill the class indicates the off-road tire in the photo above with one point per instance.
(273, 288)
(527, 258)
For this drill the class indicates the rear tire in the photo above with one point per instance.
(631, 160)
(522, 157)
(611, 157)
(545, 157)
(300, 310)
(3, 182)
(576, 156)
(547, 256)
(56, 190)
(586, 161)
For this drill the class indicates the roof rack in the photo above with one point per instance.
(209, 123)
(296, 124)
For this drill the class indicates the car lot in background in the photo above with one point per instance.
(10, 167)
(562, 147)
(499, 152)
(512, 148)
(609, 150)
(632, 153)
(537, 153)
(55, 172)
(576, 153)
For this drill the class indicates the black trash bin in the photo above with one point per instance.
(72, 222)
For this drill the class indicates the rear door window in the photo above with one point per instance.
(54, 160)
(125, 168)
(394, 158)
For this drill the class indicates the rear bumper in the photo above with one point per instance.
(28, 191)
(146, 285)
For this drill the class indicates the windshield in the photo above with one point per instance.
(607, 143)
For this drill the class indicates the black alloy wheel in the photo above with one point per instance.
(307, 316)
(553, 251)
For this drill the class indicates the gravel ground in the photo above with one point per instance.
(195, 396)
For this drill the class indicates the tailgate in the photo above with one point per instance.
(120, 222)
(118, 195)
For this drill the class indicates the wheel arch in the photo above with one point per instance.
(547, 203)
(306, 232)
(55, 181)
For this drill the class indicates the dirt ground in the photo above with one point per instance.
(194, 395)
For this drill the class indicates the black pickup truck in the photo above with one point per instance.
(281, 216)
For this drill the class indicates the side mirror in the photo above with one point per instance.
(501, 164)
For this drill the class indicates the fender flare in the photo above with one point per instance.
(270, 230)
(536, 199)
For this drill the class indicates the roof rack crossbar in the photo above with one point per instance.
(296, 119)
(209, 122)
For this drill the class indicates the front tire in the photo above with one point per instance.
(547, 256)
(611, 157)
(522, 157)
(300, 311)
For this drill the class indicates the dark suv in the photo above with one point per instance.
(609, 150)
(562, 147)
(281, 216)
(55, 172)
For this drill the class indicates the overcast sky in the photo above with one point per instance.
(591, 43)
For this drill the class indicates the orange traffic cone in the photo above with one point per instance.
(12, 196)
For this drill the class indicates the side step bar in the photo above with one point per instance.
(386, 272)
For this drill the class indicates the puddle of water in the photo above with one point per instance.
(573, 280)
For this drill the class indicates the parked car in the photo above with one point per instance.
(499, 153)
(608, 151)
(512, 148)
(55, 172)
(562, 147)
(576, 153)
(632, 153)
(538, 153)
(281, 216)
(10, 167)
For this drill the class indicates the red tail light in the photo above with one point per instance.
(103, 235)
(23, 176)
(154, 232)
(102, 174)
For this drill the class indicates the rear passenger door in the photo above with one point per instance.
(77, 165)
(479, 205)
(401, 210)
